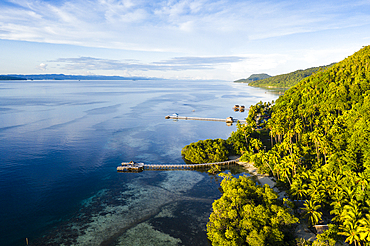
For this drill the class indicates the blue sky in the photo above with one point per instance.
(186, 39)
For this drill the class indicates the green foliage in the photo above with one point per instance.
(303, 242)
(239, 139)
(206, 151)
(248, 214)
(311, 212)
(286, 80)
(214, 169)
(321, 136)
(328, 237)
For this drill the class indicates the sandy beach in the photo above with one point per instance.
(301, 231)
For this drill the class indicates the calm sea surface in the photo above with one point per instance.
(60, 144)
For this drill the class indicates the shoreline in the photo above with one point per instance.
(262, 178)
(301, 230)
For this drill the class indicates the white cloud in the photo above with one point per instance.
(257, 63)
(42, 66)
(187, 26)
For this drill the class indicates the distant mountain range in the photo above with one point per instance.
(67, 77)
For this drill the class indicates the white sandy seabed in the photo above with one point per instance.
(145, 201)
(139, 202)
(125, 221)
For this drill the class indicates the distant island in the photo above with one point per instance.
(67, 77)
(6, 77)
(253, 77)
(281, 81)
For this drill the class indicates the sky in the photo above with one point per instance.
(185, 39)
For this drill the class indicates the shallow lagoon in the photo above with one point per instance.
(61, 142)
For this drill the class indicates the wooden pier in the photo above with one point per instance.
(130, 167)
(227, 120)
(138, 167)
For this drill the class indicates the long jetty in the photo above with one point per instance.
(186, 166)
(227, 120)
(138, 167)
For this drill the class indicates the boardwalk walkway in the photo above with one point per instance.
(186, 166)
(138, 167)
(227, 120)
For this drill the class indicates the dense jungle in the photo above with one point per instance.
(314, 140)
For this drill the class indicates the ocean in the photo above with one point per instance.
(60, 144)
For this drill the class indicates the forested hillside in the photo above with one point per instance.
(253, 77)
(320, 148)
(321, 129)
(286, 80)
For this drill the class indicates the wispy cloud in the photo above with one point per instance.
(203, 61)
(176, 64)
(182, 35)
(168, 25)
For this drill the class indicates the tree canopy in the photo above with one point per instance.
(320, 130)
(319, 134)
(247, 214)
(206, 151)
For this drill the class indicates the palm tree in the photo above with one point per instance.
(363, 180)
(266, 159)
(316, 138)
(351, 226)
(334, 183)
(298, 188)
(285, 166)
(298, 128)
(350, 229)
(349, 194)
(273, 159)
(315, 187)
(364, 229)
(256, 144)
(312, 214)
(324, 147)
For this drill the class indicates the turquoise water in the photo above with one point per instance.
(60, 144)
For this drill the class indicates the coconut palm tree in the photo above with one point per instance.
(316, 136)
(298, 128)
(364, 229)
(298, 188)
(285, 167)
(256, 144)
(350, 229)
(311, 212)
(351, 226)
